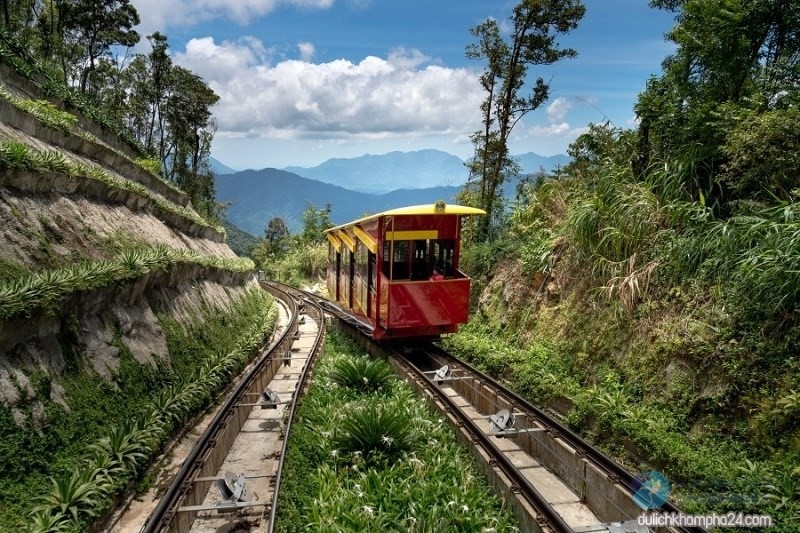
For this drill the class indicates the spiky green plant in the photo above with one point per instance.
(374, 430)
(70, 495)
(363, 374)
(47, 522)
(49, 114)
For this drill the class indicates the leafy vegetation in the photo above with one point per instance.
(43, 290)
(534, 27)
(161, 109)
(78, 459)
(240, 241)
(295, 259)
(363, 461)
(365, 375)
(17, 155)
(655, 282)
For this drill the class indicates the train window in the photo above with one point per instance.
(420, 265)
(387, 246)
(361, 259)
(443, 255)
(400, 262)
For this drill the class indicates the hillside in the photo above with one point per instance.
(114, 292)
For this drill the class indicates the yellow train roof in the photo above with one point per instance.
(439, 208)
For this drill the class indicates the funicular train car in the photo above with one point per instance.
(398, 271)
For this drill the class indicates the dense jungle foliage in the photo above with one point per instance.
(663, 265)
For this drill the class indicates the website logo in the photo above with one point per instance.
(650, 490)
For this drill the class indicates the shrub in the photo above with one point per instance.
(362, 374)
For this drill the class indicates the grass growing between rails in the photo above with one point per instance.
(61, 473)
(374, 457)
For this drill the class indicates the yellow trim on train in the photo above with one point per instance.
(336, 243)
(347, 239)
(366, 238)
(415, 235)
(439, 208)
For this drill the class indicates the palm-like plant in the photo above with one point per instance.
(122, 445)
(70, 495)
(45, 521)
(362, 374)
(375, 430)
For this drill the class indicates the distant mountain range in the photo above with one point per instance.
(382, 173)
(414, 170)
(258, 196)
(354, 187)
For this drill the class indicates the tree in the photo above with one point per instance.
(535, 25)
(275, 235)
(315, 222)
(188, 117)
(96, 26)
(731, 55)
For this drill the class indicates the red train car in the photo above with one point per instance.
(397, 271)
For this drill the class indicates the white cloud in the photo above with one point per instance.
(561, 129)
(557, 110)
(376, 98)
(306, 51)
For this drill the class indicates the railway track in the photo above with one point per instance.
(554, 480)
(232, 476)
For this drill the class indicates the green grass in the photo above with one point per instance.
(363, 374)
(380, 460)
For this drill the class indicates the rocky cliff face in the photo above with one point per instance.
(74, 202)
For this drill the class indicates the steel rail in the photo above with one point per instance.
(164, 512)
(301, 385)
(613, 469)
(539, 503)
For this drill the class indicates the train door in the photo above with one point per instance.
(372, 274)
(444, 257)
(419, 264)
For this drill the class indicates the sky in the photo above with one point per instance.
(303, 81)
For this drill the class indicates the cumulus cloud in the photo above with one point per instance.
(557, 126)
(400, 95)
(560, 129)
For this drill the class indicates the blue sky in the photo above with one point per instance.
(303, 81)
